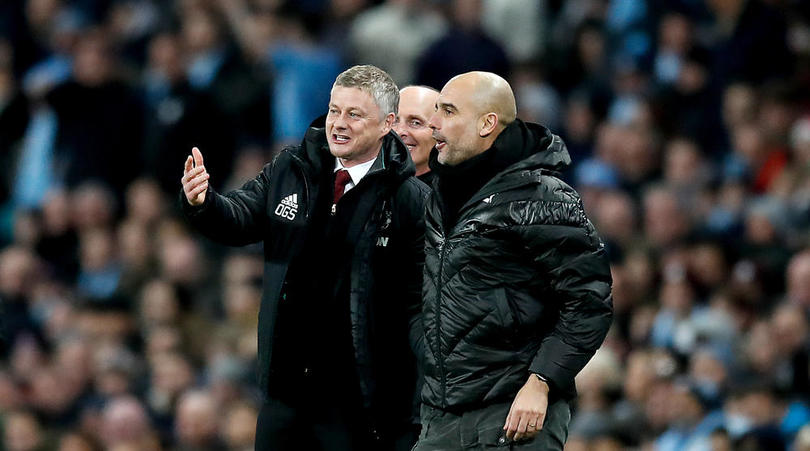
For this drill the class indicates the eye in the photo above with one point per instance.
(415, 123)
(333, 111)
(448, 111)
(354, 115)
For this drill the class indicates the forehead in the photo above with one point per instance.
(417, 101)
(351, 97)
(459, 92)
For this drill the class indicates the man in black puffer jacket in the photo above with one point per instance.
(517, 282)
(341, 219)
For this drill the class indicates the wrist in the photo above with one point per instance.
(539, 381)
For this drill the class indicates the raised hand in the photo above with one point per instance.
(195, 178)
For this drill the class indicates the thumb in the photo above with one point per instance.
(198, 158)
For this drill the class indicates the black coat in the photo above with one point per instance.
(387, 230)
(519, 283)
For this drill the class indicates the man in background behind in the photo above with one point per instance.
(416, 105)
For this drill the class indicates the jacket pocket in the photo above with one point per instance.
(493, 437)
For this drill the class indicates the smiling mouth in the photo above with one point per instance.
(409, 145)
(340, 139)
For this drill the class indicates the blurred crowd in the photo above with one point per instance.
(688, 123)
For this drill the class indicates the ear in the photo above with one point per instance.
(388, 123)
(487, 124)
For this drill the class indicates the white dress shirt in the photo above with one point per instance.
(356, 172)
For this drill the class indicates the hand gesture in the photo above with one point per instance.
(528, 410)
(195, 178)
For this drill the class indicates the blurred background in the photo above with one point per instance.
(688, 122)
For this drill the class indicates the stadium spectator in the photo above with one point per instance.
(96, 112)
(125, 422)
(179, 116)
(465, 46)
(217, 67)
(196, 423)
(394, 35)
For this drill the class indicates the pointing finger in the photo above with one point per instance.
(198, 158)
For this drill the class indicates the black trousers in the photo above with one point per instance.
(324, 427)
(483, 429)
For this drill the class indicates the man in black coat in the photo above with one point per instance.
(341, 218)
(517, 283)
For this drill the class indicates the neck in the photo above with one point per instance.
(360, 159)
(422, 169)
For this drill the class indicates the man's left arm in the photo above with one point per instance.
(574, 261)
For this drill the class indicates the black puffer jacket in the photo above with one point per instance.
(519, 283)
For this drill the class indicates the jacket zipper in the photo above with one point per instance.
(442, 254)
(439, 320)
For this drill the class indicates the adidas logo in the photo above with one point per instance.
(288, 207)
(290, 201)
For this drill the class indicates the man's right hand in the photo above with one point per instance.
(195, 178)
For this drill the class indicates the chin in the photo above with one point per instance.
(340, 152)
(449, 160)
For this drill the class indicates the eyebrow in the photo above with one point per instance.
(446, 105)
(351, 108)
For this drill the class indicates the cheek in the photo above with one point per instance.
(455, 130)
(426, 137)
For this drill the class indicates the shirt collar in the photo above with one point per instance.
(356, 172)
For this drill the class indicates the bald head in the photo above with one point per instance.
(418, 93)
(472, 110)
(490, 93)
(416, 105)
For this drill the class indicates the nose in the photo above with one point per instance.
(434, 122)
(340, 121)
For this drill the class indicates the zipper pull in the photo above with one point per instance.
(334, 209)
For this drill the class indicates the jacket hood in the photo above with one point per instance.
(537, 147)
(393, 159)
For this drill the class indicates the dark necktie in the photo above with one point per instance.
(342, 179)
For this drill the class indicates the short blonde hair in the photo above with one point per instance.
(374, 81)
